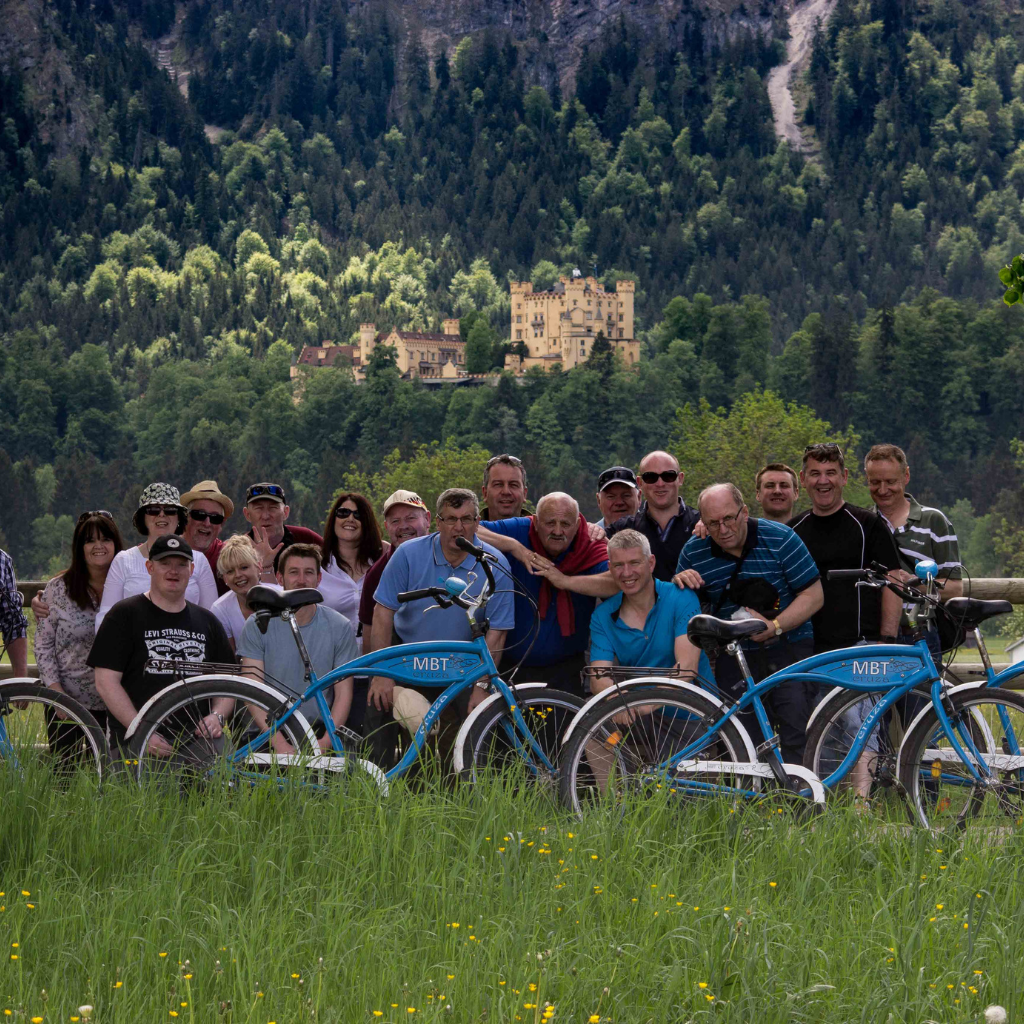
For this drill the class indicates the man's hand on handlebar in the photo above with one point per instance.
(382, 693)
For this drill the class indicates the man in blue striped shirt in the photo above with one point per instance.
(762, 569)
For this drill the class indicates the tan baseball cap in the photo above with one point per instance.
(404, 498)
(209, 491)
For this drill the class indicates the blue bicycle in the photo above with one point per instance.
(519, 725)
(681, 738)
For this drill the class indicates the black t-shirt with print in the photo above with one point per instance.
(136, 630)
(851, 538)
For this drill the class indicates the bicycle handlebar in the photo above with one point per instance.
(415, 595)
(848, 574)
(481, 557)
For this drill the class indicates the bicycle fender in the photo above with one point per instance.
(824, 704)
(463, 733)
(299, 718)
(812, 780)
(632, 684)
(952, 691)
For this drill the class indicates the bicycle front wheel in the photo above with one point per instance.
(622, 748)
(45, 728)
(492, 746)
(944, 793)
(172, 743)
(833, 729)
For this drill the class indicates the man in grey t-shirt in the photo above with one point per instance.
(328, 636)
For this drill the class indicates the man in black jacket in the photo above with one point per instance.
(664, 518)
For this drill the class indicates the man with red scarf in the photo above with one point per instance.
(551, 643)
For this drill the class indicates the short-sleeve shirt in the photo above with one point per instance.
(420, 563)
(330, 642)
(851, 538)
(613, 640)
(771, 552)
(136, 630)
(548, 644)
(927, 533)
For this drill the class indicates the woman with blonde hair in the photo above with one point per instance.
(239, 565)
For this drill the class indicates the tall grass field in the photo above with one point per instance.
(481, 904)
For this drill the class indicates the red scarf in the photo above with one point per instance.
(582, 555)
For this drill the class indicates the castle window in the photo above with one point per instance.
(620, 332)
(519, 319)
(519, 335)
(620, 318)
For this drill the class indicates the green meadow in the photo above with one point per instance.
(482, 904)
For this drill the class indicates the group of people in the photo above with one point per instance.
(569, 593)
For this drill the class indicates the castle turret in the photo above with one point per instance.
(367, 334)
(450, 327)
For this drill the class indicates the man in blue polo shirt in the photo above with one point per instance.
(427, 562)
(765, 569)
(645, 623)
(552, 557)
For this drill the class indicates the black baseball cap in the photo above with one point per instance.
(273, 492)
(616, 475)
(170, 545)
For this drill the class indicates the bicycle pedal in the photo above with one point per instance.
(769, 744)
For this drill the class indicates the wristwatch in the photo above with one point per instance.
(778, 628)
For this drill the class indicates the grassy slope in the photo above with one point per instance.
(275, 908)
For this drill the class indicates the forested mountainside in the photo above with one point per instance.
(163, 257)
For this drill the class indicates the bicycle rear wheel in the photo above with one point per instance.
(831, 734)
(619, 749)
(176, 716)
(45, 728)
(491, 745)
(943, 792)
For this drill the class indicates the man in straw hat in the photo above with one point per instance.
(207, 510)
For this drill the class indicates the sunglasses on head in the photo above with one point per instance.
(670, 476)
(265, 490)
(158, 510)
(344, 513)
(200, 517)
(95, 512)
(825, 446)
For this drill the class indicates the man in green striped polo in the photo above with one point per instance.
(920, 531)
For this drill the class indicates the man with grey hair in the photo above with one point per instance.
(645, 623)
(504, 488)
(560, 570)
(757, 568)
(421, 563)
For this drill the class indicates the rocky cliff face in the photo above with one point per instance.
(30, 47)
(552, 34)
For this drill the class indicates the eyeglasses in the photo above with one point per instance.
(264, 490)
(200, 517)
(95, 512)
(344, 513)
(670, 476)
(717, 524)
(161, 510)
(458, 520)
(510, 459)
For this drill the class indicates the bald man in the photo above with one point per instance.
(663, 518)
(563, 570)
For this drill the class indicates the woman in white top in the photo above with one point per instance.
(160, 512)
(239, 565)
(352, 543)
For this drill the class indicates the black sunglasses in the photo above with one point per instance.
(95, 512)
(156, 510)
(344, 513)
(670, 476)
(200, 517)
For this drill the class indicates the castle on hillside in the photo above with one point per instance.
(419, 353)
(561, 325)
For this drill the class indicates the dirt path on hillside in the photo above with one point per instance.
(165, 47)
(802, 19)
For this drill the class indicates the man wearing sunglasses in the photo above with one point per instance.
(663, 518)
(266, 508)
(207, 510)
